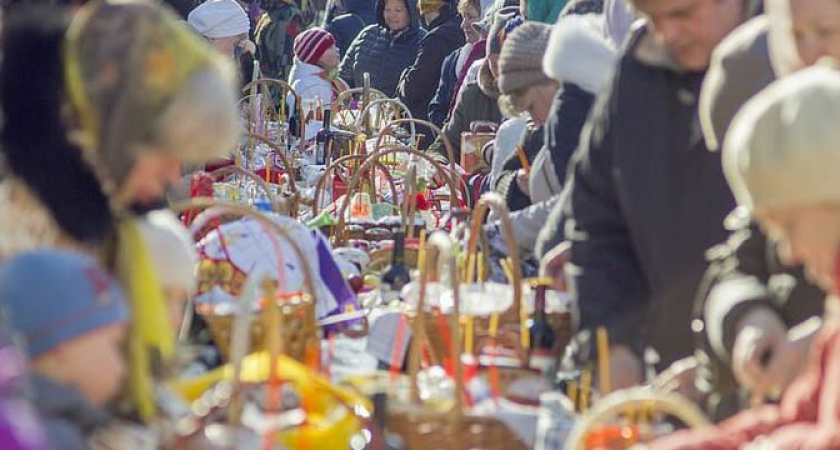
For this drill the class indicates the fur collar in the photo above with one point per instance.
(579, 53)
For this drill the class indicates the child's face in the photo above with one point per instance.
(329, 60)
(94, 363)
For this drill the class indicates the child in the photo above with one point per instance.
(72, 317)
(314, 75)
(173, 254)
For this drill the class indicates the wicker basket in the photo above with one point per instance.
(372, 160)
(335, 168)
(424, 427)
(271, 90)
(301, 331)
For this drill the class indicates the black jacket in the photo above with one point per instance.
(562, 129)
(382, 55)
(420, 81)
(439, 105)
(644, 202)
(344, 28)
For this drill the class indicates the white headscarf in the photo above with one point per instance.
(219, 19)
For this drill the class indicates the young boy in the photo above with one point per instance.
(72, 318)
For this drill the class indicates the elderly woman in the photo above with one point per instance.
(384, 49)
(780, 158)
(99, 115)
(743, 310)
(225, 24)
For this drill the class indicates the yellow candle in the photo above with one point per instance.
(468, 335)
(603, 360)
(585, 389)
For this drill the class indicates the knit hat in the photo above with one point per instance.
(429, 6)
(311, 44)
(783, 148)
(53, 297)
(172, 250)
(520, 63)
(219, 19)
(505, 21)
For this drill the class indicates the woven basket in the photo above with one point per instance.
(301, 331)
(290, 200)
(371, 161)
(424, 427)
(340, 167)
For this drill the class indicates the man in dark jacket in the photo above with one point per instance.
(382, 51)
(444, 35)
(344, 28)
(645, 198)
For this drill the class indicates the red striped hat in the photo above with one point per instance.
(311, 44)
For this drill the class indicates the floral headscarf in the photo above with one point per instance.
(125, 63)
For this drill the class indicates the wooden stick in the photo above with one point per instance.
(523, 158)
(603, 360)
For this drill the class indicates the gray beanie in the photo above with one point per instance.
(520, 63)
(783, 148)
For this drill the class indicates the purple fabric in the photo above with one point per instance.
(334, 280)
(19, 429)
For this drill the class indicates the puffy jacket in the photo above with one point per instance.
(420, 81)
(381, 54)
(310, 82)
(344, 28)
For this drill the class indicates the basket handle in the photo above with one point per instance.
(294, 199)
(284, 88)
(220, 208)
(335, 165)
(336, 105)
(372, 159)
(236, 170)
(439, 244)
(360, 120)
(494, 202)
(450, 152)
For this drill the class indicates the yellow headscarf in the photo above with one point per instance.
(125, 61)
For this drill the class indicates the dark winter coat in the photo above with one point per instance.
(439, 106)
(745, 274)
(645, 200)
(377, 52)
(346, 27)
(479, 101)
(420, 81)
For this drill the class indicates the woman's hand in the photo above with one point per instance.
(766, 358)
(554, 263)
(522, 179)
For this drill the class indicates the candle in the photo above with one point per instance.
(603, 360)
(523, 158)
(468, 334)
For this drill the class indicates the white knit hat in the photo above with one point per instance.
(171, 249)
(783, 148)
(219, 19)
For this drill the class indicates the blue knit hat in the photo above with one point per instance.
(53, 297)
